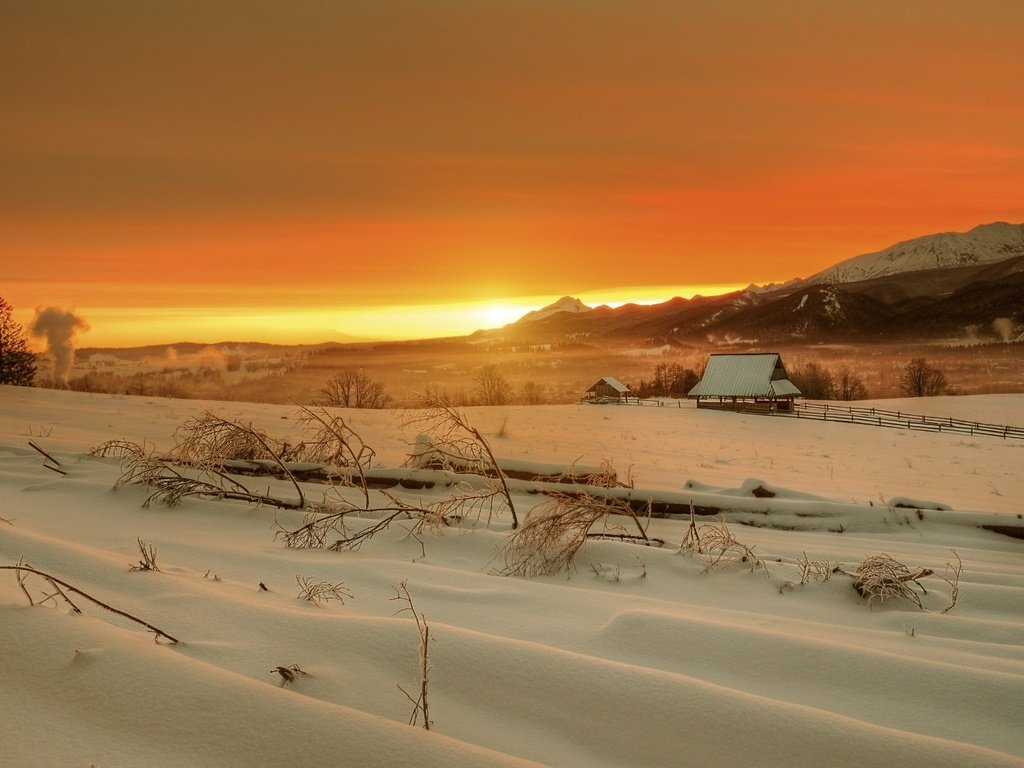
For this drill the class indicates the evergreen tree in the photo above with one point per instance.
(17, 362)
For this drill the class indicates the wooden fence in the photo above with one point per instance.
(879, 417)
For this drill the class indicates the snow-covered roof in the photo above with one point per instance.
(615, 384)
(744, 375)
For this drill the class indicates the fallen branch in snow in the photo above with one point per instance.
(319, 523)
(173, 482)
(50, 463)
(21, 568)
(207, 441)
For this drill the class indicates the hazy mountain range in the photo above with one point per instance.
(941, 286)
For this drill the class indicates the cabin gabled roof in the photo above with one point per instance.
(615, 384)
(745, 375)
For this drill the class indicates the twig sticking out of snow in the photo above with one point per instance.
(421, 705)
(148, 561)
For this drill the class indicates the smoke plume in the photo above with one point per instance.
(1003, 328)
(59, 327)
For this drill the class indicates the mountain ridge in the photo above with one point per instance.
(947, 285)
(984, 244)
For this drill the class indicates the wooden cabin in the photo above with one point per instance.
(745, 382)
(607, 389)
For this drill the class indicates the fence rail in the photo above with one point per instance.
(880, 417)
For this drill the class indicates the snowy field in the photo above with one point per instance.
(637, 656)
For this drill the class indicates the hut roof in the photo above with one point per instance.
(744, 375)
(615, 384)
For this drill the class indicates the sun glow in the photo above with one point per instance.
(313, 323)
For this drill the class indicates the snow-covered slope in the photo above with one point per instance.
(985, 244)
(657, 656)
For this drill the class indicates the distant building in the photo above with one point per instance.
(608, 389)
(745, 382)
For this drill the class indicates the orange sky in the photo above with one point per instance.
(203, 170)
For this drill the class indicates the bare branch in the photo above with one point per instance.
(59, 583)
(208, 441)
(334, 442)
(454, 435)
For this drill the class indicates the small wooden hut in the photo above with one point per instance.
(607, 389)
(745, 382)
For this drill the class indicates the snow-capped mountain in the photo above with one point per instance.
(564, 304)
(941, 286)
(985, 244)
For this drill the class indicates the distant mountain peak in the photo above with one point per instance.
(985, 244)
(564, 304)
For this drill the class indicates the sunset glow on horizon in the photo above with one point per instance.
(165, 325)
(309, 172)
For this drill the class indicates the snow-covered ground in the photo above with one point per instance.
(640, 656)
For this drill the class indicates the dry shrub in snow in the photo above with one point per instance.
(320, 592)
(815, 570)
(210, 439)
(718, 546)
(880, 577)
(721, 548)
(148, 559)
(556, 529)
(606, 477)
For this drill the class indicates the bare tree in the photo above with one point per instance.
(848, 386)
(533, 393)
(814, 381)
(353, 389)
(492, 388)
(921, 379)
